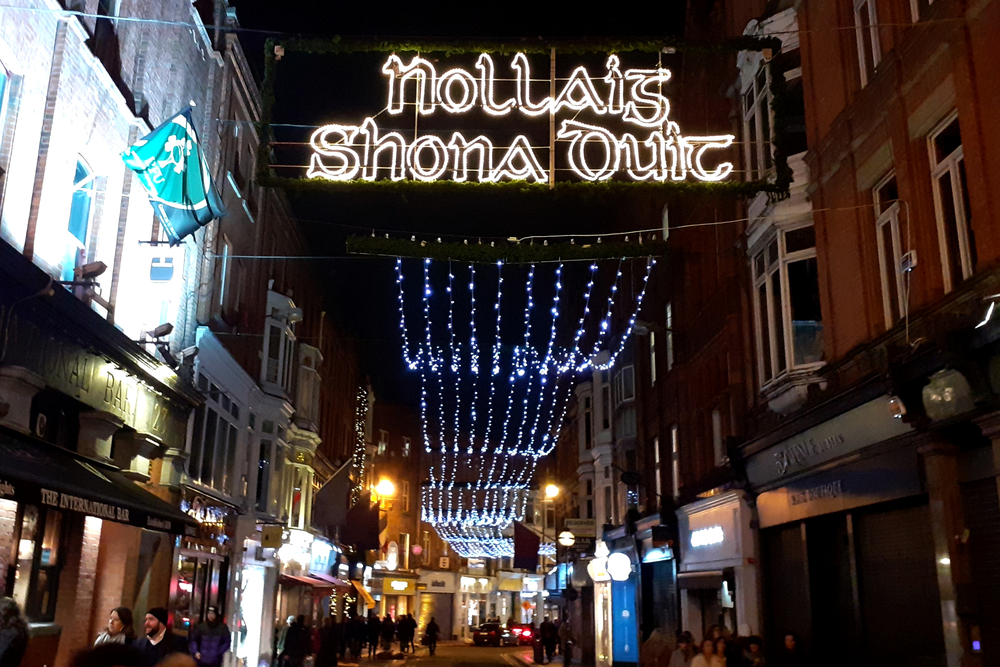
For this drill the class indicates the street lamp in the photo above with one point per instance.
(567, 539)
(551, 491)
(385, 488)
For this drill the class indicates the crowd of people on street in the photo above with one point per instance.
(355, 637)
(720, 649)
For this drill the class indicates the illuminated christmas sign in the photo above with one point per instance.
(655, 151)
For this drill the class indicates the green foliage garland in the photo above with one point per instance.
(506, 251)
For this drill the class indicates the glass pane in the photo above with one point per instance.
(947, 140)
(800, 239)
(263, 475)
(867, 48)
(49, 556)
(777, 324)
(950, 223)
(887, 195)
(764, 113)
(807, 326)
(194, 462)
(208, 453)
(889, 262)
(221, 463)
(772, 252)
(970, 236)
(628, 383)
(764, 339)
(25, 554)
(232, 476)
(758, 265)
(761, 81)
(751, 137)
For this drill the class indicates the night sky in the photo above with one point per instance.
(313, 90)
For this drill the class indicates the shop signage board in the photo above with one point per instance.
(95, 381)
(624, 131)
(582, 527)
(709, 530)
(889, 476)
(846, 433)
(438, 582)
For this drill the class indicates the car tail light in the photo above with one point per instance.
(516, 631)
(527, 633)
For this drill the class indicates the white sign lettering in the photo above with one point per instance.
(348, 152)
(707, 536)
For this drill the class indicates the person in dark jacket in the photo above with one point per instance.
(791, 655)
(108, 653)
(13, 634)
(159, 641)
(119, 629)
(549, 638)
(298, 643)
(388, 632)
(210, 641)
(374, 630)
(431, 632)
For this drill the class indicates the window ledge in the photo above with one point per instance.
(787, 393)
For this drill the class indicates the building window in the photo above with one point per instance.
(79, 220)
(406, 447)
(951, 203)
(605, 407)
(588, 424)
(757, 124)
(866, 29)
(718, 444)
(609, 513)
(279, 351)
(227, 251)
(919, 8)
(427, 547)
(656, 464)
(675, 461)
(213, 443)
(383, 442)
(890, 245)
(405, 496)
(787, 313)
(590, 508)
(404, 550)
(529, 511)
(670, 336)
(40, 535)
(550, 517)
(624, 385)
(652, 357)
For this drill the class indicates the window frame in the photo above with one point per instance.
(230, 445)
(225, 263)
(404, 495)
(670, 336)
(779, 266)
(675, 460)
(286, 350)
(872, 28)
(950, 165)
(749, 115)
(890, 217)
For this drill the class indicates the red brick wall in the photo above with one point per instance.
(119, 546)
(76, 588)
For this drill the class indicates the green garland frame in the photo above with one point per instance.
(508, 252)
(776, 189)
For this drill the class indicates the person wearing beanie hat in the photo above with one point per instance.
(159, 641)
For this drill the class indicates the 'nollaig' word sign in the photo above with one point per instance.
(350, 152)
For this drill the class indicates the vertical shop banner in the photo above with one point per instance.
(526, 546)
(172, 169)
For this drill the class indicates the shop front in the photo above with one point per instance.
(717, 577)
(395, 593)
(621, 567)
(436, 599)
(845, 505)
(475, 604)
(305, 583)
(597, 568)
(658, 576)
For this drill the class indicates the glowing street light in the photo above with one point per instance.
(551, 491)
(567, 539)
(385, 488)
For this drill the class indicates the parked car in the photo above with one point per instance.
(493, 634)
(523, 633)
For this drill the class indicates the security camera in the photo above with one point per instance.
(163, 330)
(90, 271)
(189, 352)
(290, 315)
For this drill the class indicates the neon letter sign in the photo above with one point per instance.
(595, 153)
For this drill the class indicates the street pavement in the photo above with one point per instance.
(458, 654)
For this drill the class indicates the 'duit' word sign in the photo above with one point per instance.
(349, 152)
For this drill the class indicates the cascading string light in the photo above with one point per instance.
(471, 516)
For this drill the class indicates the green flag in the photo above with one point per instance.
(172, 169)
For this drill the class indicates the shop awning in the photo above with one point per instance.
(711, 579)
(365, 595)
(333, 581)
(32, 471)
(303, 580)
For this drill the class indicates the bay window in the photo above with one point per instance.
(279, 351)
(951, 203)
(214, 441)
(787, 318)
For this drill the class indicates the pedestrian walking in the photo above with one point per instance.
(298, 643)
(281, 635)
(13, 633)
(108, 653)
(329, 644)
(791, 655)
(721, 647)
(159, 641)
(388, 632)
(119, 629)
(707, 657)
(549, 638)
(684, 654)
(358, 630)
(431, 634)
(210, 640)
(753, 654)
(374, 631)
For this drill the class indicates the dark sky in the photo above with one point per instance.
(311, 88)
